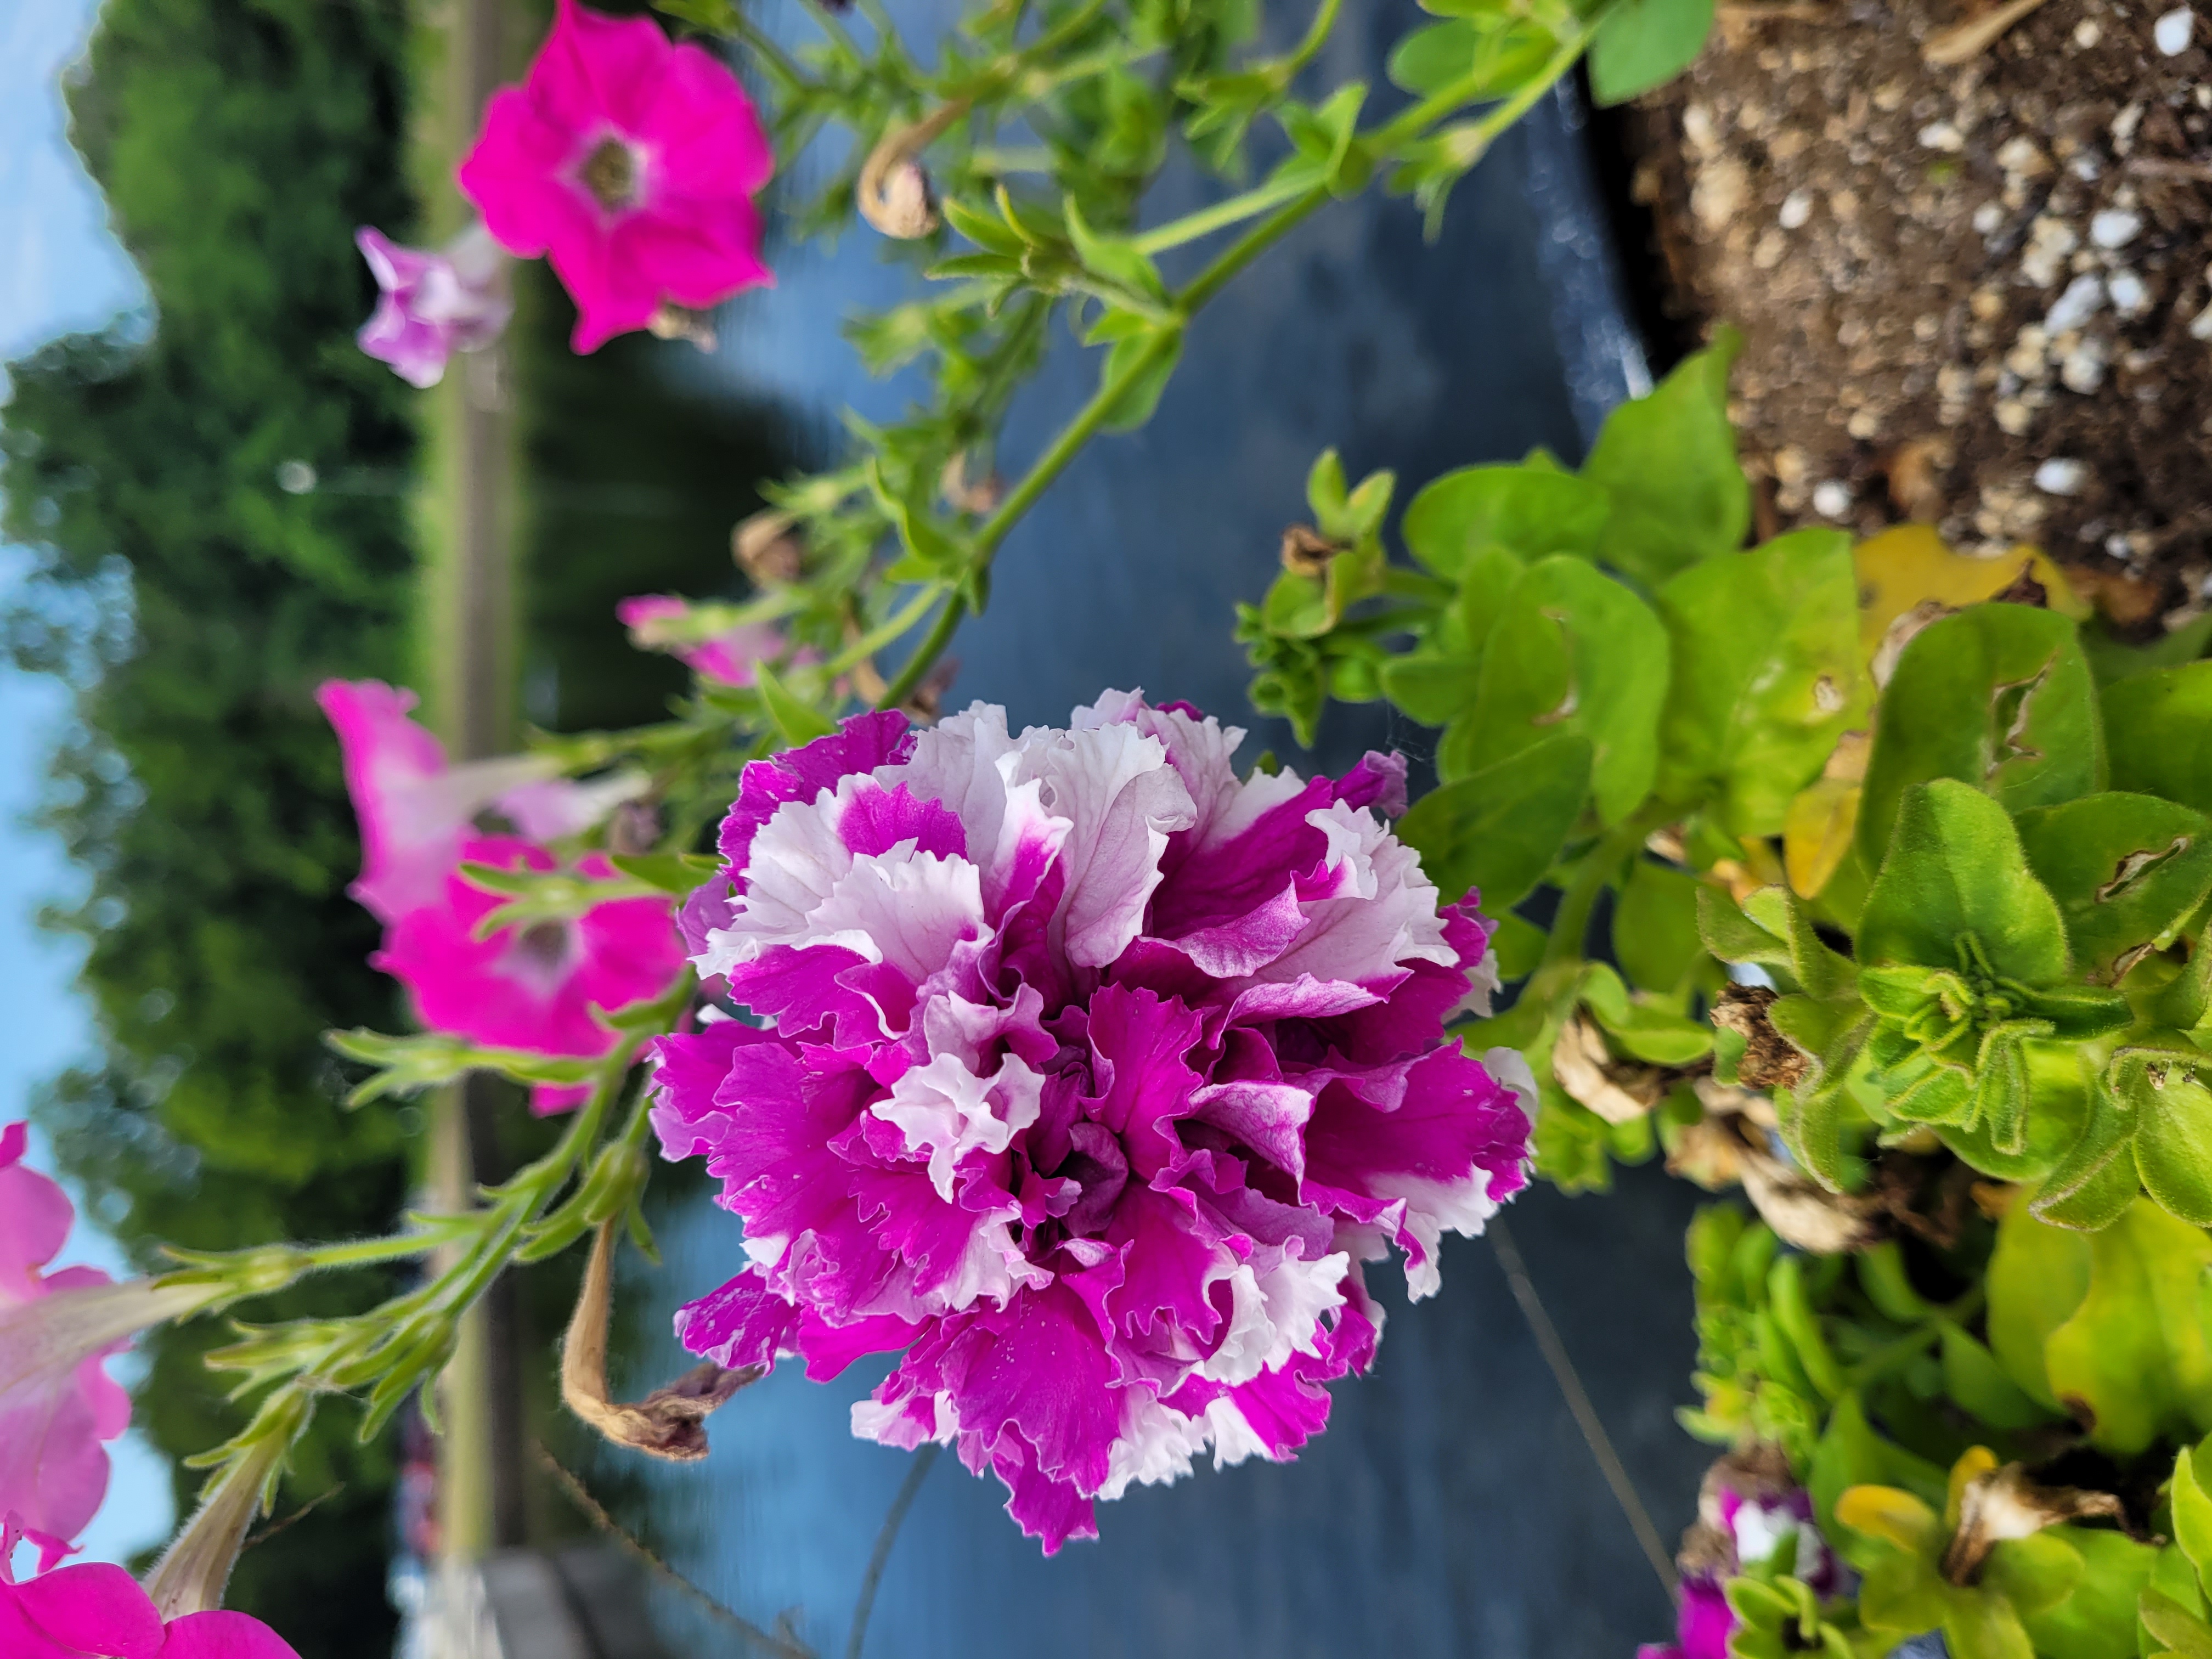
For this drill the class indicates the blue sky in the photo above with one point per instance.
(60, 269)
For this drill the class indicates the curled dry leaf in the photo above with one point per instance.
(670, 1422)
(893, 192)
(981, 497)
(1617, 1091)
(1306, 551)
(682, 323)
(1732, 1145)
(1916, 472)
(1999, 1503)
(1769, 1060)
(1964, 42)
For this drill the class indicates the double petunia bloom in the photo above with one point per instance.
(1092, 1074)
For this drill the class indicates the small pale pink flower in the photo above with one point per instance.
(657, 623)
(57, 1401)
(1092, 1074)
(631, 163)
(96, 1610)
(531, 988)
(432, 303)
(415, 810)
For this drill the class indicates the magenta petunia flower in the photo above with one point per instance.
(655, 623)
(1754, 1519)
(432, 303)
(415, 810)
(631, 162)
(96, 1610)
(531, 988)
(1092, 1075)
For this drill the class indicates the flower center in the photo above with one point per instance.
(543, 946)
(609, 173)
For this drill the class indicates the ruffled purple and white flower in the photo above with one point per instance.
(1088, 1075)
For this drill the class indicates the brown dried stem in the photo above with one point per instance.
(670, 1422)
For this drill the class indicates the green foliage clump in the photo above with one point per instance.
(1901, 882)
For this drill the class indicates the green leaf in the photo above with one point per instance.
(2038, 1278)
(2032, 1573)
(1850, 1454)
(1955, 867)
(1431, 686)
(2185, 1635)
(1527, 511)
(1142, 395)
(1732, 936)
(1765, 654)
(1115, 258)
(1669, 462)
(1572, 651)
(2173, 1137)
(1654, 926)
(1997, 696)
(796, 722)
(2159, 727)
(2127, 871)
(1973, 1377)
(2191, 1497)
(2098, 1621)
(1480, 60)
(1642, 44)
(2133, 1356)
(1500, 828)
(672, 872)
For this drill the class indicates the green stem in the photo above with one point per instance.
(1230, 263)
(1317, 32)
(896, 626)
(778, 62)
(1413, 122)
(1206, 221)
(925, 655)
(1563, 951)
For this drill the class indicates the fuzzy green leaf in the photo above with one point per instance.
(1644, 44)
(1574, 651)
(1498, 829)
(1766, 673)
(1527, 511)
(2127, 871)
(1955, 867)
(2159, 730)
(1998, 696)
(1669, 461)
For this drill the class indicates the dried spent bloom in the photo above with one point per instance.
(96, 1610)
(656, 622)
(1093, 1074)
(531, 988)
(631, 163)
(432, 303)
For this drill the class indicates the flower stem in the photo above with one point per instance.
(1205, 221)
(773, 59)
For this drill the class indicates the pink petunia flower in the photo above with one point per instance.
(631, 162)
(415, 810)
(531, 988)
(1750, 1516)
(433, 303)
(656, 622)
(1092, 1075)
(96, 1610)
(57, 1329)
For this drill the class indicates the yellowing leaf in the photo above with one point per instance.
(1816, 834)
(1886, 1513)
(1908, 565)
